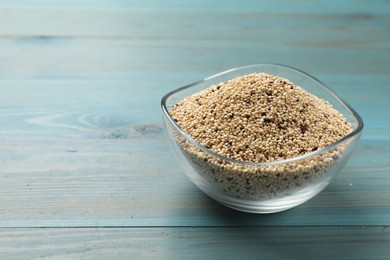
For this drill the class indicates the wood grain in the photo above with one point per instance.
(195, 243)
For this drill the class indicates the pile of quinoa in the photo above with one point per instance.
(259, 118)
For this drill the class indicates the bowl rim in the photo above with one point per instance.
(355, 131)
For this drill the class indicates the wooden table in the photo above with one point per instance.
(85, 168)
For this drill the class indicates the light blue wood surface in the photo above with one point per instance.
(82, 145)
(198, 243)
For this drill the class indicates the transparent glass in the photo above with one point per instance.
(261, 187)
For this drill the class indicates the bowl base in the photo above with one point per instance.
(267, 206)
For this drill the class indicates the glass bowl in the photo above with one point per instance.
(261, 187)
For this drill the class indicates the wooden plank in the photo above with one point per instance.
(300, 6)
(111, 182)
(121, 41)
(194, 243)
(88, 104)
